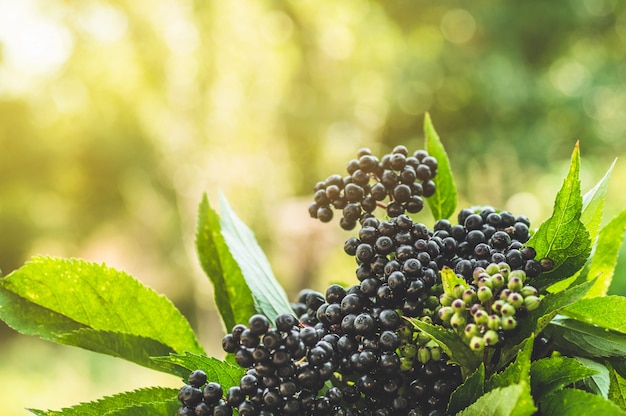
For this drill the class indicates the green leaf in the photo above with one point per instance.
(563, 237)
(604, 257)
(148, 401)
(450, 280)
(29, 318)
(443, 203)
(606, 311)
(75, 295)
(579, 338)
(458, 351)
(550, 374)
(513, 400)
(231, 293)
(269, 296)
(517, 372)
(133, 348)
(468, 392)
(573, 402)
(219, 371)
(617, 388)
(597, 383)
(593, 204)
(537, 320)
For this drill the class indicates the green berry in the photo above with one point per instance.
(485, 282)
(493, 268)
(445, 313)
(458, 305)
(494, 322)
(497, 281)
(507, 310)
(515, 284)
(469, 297)
(458, 320)
(435, 353)
(497, 305)
(481, 317)
(529, 291)
(508, 323)
(477, 272)
(471, 330)
(491, 338)
(446, 299)
(531, 302)
(477, 343)
(423, 355)
(516, 300)
(484, 294)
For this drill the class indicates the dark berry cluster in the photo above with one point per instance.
(397, 182)
(287, 367)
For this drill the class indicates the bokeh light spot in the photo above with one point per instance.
(458, 26)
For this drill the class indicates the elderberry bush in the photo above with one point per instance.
(351, 350)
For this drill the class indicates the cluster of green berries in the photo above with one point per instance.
(397, 182)
(485, 310)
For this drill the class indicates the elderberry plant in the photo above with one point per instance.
(480, 313)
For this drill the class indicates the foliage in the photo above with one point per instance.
(93, 306)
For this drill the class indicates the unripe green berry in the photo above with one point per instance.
(531, 302)
(445, 313)
(458, 305)
(484, 294)
(493, 268)
(491, 338)
(529, 291)
(518, 273)
(508, 323)
(497, 305)
(458, 320)
(481, 317)
(516, 300)
(477, 344)
(515, 284)
(435, 353)
(427, 316)
(471, 330)
(484, 282)
(504, 294)
(477, 271)
(423, 337)
(423, 355)
(431, 302)
(494, 322)
(497, 281)
(469, 296)
(504, 267)
(458, 291)
(508, 309)
(446, 299)
(408, 350)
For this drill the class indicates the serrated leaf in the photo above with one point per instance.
(269, 296)
(468, 392)
(603, 260)
(96, 297)
(593, 204)
(29, 318)
(563, 237)
(579, 338)
(597, 383)
(606, 312)
(617, 388)
(443, 203)
(537, 320)
(231, 293)
(450, 280)
(573, 402)
(160, 400)
(219, 371)
(133, 348)
(516, 372)
(512, 400)
(458, 351)
(554, 373)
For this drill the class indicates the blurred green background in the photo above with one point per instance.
(116, 116)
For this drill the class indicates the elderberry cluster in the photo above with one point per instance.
(488, 308)
(287, 366)
(399, 178)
